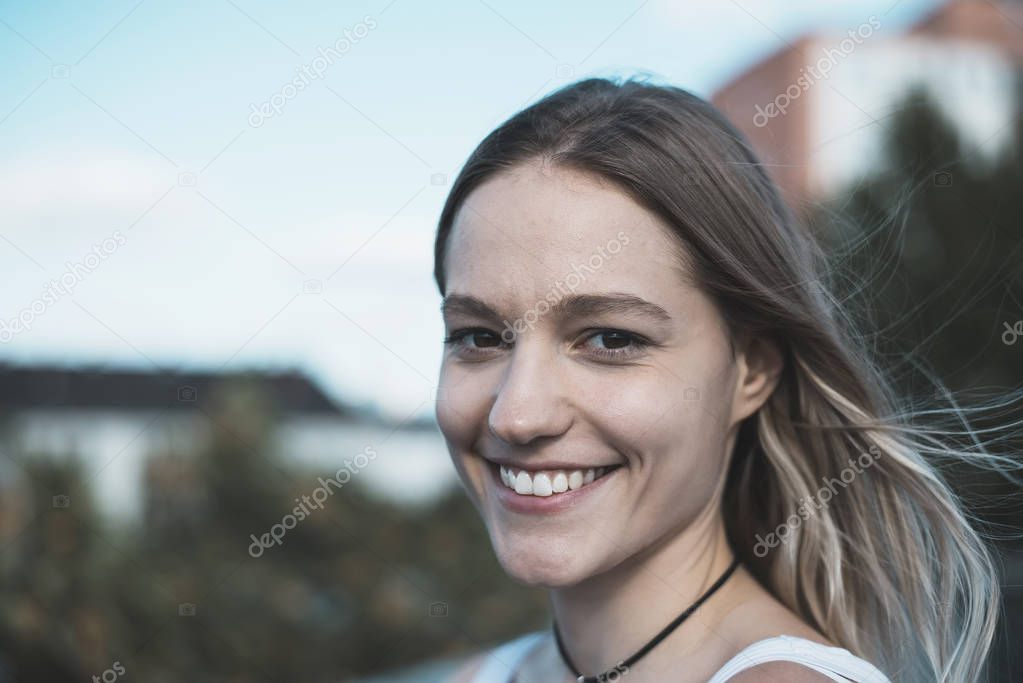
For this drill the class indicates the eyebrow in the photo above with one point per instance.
(574, 305)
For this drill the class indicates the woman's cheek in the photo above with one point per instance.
(447, 420)
(667, 429)
(638, 409)
(461, 412)
(453, 406)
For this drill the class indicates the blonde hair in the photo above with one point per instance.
(890, 567)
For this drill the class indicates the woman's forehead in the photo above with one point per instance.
(550, 221)
(549, 204)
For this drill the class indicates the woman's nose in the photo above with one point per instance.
(531, 401)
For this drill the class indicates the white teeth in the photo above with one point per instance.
(548, 483)
(542, 485)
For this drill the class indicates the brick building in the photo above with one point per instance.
(816, 110)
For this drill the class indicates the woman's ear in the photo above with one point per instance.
(760, 361)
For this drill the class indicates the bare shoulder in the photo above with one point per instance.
(771, 672)
(756, 615)
(468, 669)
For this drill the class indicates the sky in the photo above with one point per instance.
(170, 196)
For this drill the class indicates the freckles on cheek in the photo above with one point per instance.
(453, 424)
(461, 409)
(662, 426)
(457, 428)
(636, 412)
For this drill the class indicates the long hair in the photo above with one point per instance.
(892, 568)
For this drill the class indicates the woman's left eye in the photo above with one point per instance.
(615, 344)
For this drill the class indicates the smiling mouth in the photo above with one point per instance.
(549, 482)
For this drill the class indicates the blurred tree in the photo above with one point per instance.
(348, 592)
(929, 256)
(932, 248)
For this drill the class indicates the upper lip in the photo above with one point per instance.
(539, 465)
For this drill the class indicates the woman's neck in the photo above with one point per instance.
(608, 617)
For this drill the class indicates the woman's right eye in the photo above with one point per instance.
(473, 339)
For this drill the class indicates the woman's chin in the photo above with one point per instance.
(543, 567)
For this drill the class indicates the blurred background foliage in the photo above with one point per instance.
(358, 586)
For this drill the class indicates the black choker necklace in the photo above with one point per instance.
(623, 667)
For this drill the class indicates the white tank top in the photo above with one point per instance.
(836, 663)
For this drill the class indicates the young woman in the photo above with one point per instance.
(660, 414)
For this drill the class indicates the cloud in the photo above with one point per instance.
(79, 179)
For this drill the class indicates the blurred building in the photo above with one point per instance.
(135, 432)
(816, 111)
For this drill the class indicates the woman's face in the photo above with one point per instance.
(575, 342)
